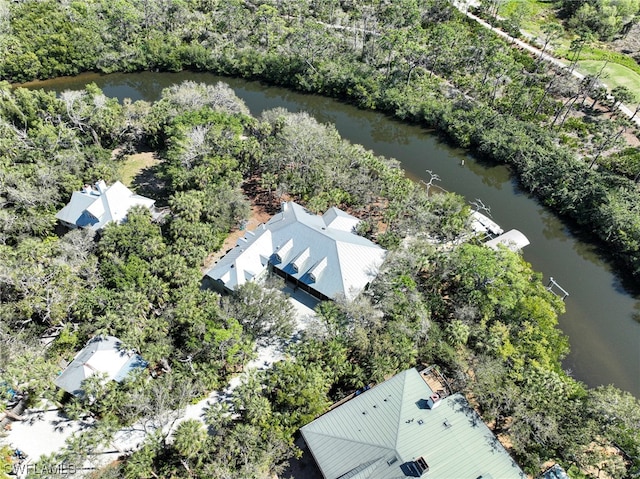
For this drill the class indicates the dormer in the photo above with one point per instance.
(319, 267)
(283, 251)
(298, 263)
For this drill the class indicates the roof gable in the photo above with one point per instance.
(332, 261)
(75, 209)
(392, 425)
(337, 219)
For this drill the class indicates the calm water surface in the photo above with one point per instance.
(604, 337)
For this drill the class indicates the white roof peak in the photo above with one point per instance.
(319, 251)
(95, 208)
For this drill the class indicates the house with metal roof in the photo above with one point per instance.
(402, 428)
(95, 207)
(102, 355)
(319, 254)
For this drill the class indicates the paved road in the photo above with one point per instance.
(463, 7)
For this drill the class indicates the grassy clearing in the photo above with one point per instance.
(595, 53)
(134, 164)
(534, 13)
(621, 70)
(614, 75)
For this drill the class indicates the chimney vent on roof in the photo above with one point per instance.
(101, 186)
(421, 466)
(433, 401)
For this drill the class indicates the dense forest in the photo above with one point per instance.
(419, 61)
(482, 316)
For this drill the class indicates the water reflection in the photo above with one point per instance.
(602, 318)
(494, 176)
(383, 130)
(552, 228)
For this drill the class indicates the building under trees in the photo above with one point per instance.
(320, 254)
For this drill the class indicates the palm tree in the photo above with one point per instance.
(189, 440)
(458, 333)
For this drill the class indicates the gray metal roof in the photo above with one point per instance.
(378, 435)
(320, 251)
(94, 208)
(102, 354)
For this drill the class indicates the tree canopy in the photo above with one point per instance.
(482, 316)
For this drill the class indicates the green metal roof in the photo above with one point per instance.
(378, 435)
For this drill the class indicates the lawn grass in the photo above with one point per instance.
(614, 75)
(621, 70)
(538, 13)
(595, 53)
(134, 164)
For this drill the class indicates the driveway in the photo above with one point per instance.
(45, 431)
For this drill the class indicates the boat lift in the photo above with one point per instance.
(556, 289)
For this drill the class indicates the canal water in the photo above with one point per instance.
(604, 336)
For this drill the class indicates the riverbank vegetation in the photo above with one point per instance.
(482, 316)
(560, 136)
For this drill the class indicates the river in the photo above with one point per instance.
(604, 336)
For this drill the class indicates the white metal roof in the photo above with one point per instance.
(512, 239)
(320, 251)
(95, 208)
(102, 355)
(338, 219)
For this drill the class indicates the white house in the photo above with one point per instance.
(319, 254)
(94, 208)
(104, 355)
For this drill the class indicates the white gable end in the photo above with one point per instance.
(95, 208)
(307, 250)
